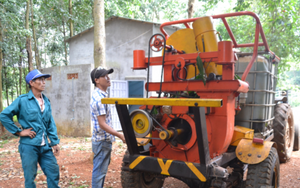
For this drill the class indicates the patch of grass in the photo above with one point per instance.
(3, 142)
(82, 186)
(81, 148)
(120, 144)
(61, 136)
(7, 136)
(39, 171)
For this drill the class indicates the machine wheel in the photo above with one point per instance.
(296, 141)
(283, 126)
(132, 179)
(266, 173)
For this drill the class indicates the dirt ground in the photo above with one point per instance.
(76, 166)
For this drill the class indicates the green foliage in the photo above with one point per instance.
(295, 102)
(148, 10)
(241, 5)
(236, 77)
(290, 81)
(279, 18)
(200, 66)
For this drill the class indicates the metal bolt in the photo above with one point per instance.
(259, 156)
(249, 154)
(240, 153)
(196, 104)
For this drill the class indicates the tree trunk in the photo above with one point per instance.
(65, 44)
(70, 20)
(20, 71)
(16, 83)
(1, 57)
(5, 78)
(28, 39)
(191, 8)
(12, 94)
(99, 34)
(36, 50)
(45, 52)
(24, 72)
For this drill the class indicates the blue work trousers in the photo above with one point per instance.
(30, 156)
(102, 152)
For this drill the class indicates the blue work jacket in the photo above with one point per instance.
(29, 115)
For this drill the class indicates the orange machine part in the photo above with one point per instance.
(187, 152)
(225, 53)
(139, 59)
(220, 123)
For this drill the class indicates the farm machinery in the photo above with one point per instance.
(215, 121)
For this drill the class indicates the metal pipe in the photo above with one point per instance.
(254, 53)
(257, 121)
(259, 105)
(229, 32)
(267, 91)
(254, 72)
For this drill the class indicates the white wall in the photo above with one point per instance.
(70, 99)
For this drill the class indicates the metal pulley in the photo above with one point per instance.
(141, 123)
(157, 42)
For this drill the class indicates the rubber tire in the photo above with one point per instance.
(131, 179)
(283, 115)
(297, 134)
(264, 174)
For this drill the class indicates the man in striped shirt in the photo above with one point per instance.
(103, 132)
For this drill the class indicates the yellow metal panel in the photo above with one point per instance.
(136, 161)
(207, 41)
(164, 167)
(165, 101)
(184, 39)
(240, 133)
(252, 153)
(196, 171)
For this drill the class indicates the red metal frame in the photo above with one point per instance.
(258, 31)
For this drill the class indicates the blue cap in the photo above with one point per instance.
(35, 74)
